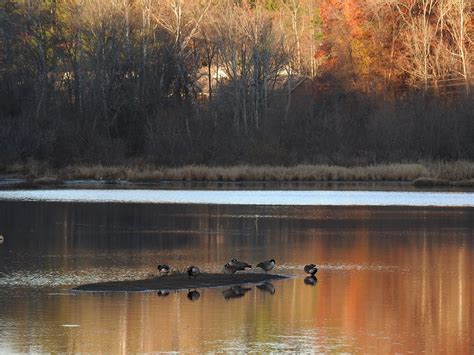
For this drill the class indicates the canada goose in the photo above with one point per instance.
(310, 280)
(163, 269)
(234, 265)
(241, 264)
(2, 239)
(240, 289)
(193, 271)
(193, 295)
(267, 287)
(311, 269)
(163, 293)
(267, 265)
(235, 292)
(229, 269)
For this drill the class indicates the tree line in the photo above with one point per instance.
(176, 82)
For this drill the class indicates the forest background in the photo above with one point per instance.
(229, 82)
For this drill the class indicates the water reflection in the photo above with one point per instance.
(267, 287)
(235, 292)
(310, 280)
(391, 280)
(193, 295)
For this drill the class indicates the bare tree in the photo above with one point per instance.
(183, 20)
(457, 18)
(253, 57)
(434, 36)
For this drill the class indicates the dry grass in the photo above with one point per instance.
(424, 173)
(430, 182)
(455, 171)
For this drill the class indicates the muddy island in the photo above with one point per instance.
(179, 282)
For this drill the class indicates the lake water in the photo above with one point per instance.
(391, 278)
(254, 197)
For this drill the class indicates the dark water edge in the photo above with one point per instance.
(382, 185)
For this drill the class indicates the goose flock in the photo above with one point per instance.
(232, 267)
(235, 265)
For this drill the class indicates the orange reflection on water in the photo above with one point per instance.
(424, 305)
(380, 290)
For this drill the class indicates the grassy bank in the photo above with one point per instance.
(423, 174)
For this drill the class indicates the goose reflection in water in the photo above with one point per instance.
(267, 287)
(310, 280)
(193, 295)
(235, 292)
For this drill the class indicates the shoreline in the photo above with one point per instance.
(444, 175)
(178, 282)
(9, 183)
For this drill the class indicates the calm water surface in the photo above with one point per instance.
(391, 279)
